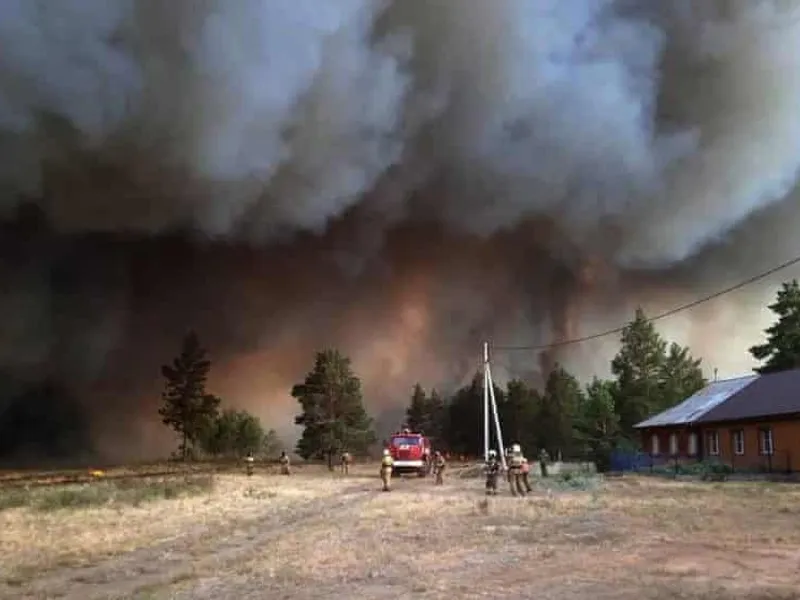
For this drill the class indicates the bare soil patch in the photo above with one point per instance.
(321, 535)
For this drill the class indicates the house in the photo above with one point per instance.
(750, 422)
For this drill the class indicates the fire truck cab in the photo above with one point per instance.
(411, 452)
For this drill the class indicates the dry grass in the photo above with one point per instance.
(106, 518)
(112, 493)
(321, 536)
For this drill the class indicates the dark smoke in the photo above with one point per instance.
(402, 179)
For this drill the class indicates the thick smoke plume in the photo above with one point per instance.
(400, 178)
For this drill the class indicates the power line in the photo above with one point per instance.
(663, 315)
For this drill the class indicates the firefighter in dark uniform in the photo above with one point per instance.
(439, 465)
(544, 460)
(492, 469)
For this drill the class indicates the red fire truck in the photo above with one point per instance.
(411, 453)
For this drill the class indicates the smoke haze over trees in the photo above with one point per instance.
(566, 418)
(400, 179)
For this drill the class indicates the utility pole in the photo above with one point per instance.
(486, 384)
(489, 398)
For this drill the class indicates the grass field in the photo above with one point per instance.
(317, 535)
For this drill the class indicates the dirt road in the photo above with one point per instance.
(200, 549)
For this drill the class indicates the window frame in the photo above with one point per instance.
(693, 444)
(737, 436)
(655, 444)
(766, 433)
(673, 444)
(712, 449)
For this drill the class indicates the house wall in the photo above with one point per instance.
(785, 439)
(683, 435)
(785, 435)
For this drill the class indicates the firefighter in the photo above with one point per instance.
(508, 462)
(346, 459)
(439, 465)
(515, 471)
(525, 473)
(386, 469)
(249, 462)
(544, 460)
(284, 462)
(492, 469)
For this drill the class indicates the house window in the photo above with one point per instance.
(692, 444)
(766, 444)
(712, 443)
(738, 442)
(654, 449)
(673, 444)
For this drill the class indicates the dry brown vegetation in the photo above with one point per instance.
(318, 535)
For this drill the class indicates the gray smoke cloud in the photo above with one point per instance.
(525, 169)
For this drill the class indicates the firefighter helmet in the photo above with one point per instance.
(386, 452)
(516, 448)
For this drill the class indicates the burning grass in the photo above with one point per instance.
(321, 535)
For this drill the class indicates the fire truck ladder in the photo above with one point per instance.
(489, 400)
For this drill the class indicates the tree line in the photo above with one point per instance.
(195, 416)
(563, 417)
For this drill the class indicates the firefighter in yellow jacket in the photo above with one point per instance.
(525, 474)
(515, 471)
(439, 465)
(387, 463)
(249, 462)
(344, 462)
(284, 462)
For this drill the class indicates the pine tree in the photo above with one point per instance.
(464, 423)
(519, 415)
(781, 351)
(417, 416)
(333, 415)
(638, 366)
(651, 376)
(681, 376)
(436, 418)
(597, 424)
(559, 406)
(186, 407)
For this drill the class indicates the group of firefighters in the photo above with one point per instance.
(518, 468)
